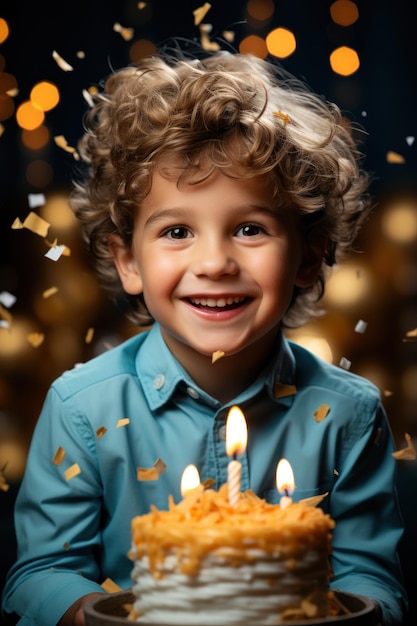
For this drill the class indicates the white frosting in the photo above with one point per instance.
(253, 593)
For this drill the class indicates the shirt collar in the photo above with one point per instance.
(161, 374)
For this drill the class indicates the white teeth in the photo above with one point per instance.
(217, 302)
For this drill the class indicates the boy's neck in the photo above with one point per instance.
(230, 375)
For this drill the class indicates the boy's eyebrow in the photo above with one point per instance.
(179, 212)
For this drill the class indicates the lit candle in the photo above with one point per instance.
(190, 479)
(285, 482)
(236, 440)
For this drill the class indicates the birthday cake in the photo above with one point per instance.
(205, 561)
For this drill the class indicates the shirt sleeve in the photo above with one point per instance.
(368, 522)
(57, 519)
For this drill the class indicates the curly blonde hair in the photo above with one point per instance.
(236, 112)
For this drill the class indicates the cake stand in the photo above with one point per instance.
(110, 611)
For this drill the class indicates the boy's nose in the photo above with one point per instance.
(214, 259)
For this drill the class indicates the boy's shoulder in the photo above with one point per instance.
(313, 371)
(117, 361)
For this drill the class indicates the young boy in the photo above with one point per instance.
(218, 192)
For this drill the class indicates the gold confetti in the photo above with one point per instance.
(205, 41)
(394, 157)
(200, 13)
(36, 339)
(151, 473)
(49, 292)
(229, 35)
(124, 421)
(62, 64)
(217, 355)
(66, 545)
(72, 471)
(59, 456)
(321, 413)
(101, 431)
(6, 315)
(408, 453)
(126, 33)
(411, 335)
(110, 586)
(283, 116)
(32, 222)
(89, 335)
(61, 142)
(315, 500)
(80, 54)
(282, 391)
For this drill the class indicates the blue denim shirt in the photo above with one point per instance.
(135, 404)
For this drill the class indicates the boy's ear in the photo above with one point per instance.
(313, 254)
(126, 266)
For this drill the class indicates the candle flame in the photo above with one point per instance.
(236, 432)
(285, 477)
(190, 479)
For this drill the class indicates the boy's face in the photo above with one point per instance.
(216, 262)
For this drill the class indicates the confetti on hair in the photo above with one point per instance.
(321, 413)
(59, 456)
(126, 33)
(345, 363)
(200, 13)
(49, 292)
(36, 339)
(218, 354)
(394, 157)
(110, 586)
(408, 453)
(151, 473)
(73, 471)
(283, 116)
(124, 421)
(361, 326)
(62, 64)
(89, 335)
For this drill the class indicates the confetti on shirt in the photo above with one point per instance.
(321, 413)
(124, 421)
(151, 473)
(59, 456)
(73, 471)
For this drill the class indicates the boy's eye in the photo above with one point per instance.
(249, 230)
(178, 232)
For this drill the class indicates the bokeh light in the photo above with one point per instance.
(399, 221)
(281, 42)
(260, 10)
(347, 286)
(344, 61)
(44, 96)
(39, 173)
(253, 44)
(28, 116)
(4, 30)
(344, 12)
(36, 139)
(141, 49)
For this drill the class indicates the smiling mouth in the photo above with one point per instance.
(230, 302)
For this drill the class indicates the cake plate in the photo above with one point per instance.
(110, 611)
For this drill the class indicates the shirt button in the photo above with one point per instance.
(222, 432)
(159, 381)
(193, 393)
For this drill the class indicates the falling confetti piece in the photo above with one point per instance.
(126, 33)
(217, 355)
(408, 453)
(6, 317)
(49, 292)
(387, 393)
(66, 67)
(206, 43)
(410, 140)
(394, 157)
(73, 471)
(110, 586)
(36, 339)
(321, 413)
(151, 473)
(7, 299)
(61, 142)
(87, 97)
(2, 129)
(100, 432)
(123, 422)
(80, 54)
(36, 199)
(229, 35)
(200, 13)
(4, 486)
(59, 456)
(89, 335)
(55, 253)
(345, 363)
(282, 391)
(283, 116)
(34, 223)
(361, 326)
